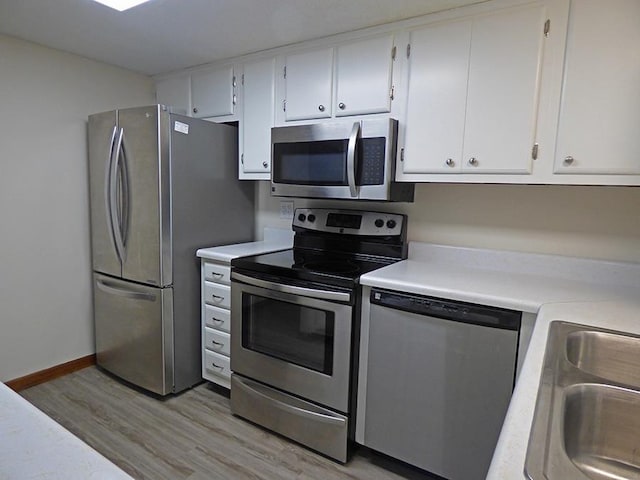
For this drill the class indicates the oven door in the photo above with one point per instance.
(292, 337)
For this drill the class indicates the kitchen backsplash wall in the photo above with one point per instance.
(45, 268)
(595, 222)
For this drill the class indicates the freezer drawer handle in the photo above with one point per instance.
(217, 366)
(217, 297)
(123, 292)
(217, 343)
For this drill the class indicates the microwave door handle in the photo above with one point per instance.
(351, 159)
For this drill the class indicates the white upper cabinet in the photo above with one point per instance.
(258, 90)
(175, 92)
(213, 92)
(504, 70)
(600, 106)
(363, 77)
(308, 81)
(472, 93)
(436, 100)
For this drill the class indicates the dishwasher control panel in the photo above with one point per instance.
(449, 309)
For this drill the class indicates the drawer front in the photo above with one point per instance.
(214, 272)
(217, 365)
(217, 318)
(217, 295)
(217, 341)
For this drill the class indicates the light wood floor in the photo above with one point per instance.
(191, 436)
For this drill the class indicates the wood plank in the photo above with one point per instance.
(36, 378)
(190, 436)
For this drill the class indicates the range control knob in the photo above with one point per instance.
(379, 223)
(302, 217)
(391, 224)
(311, 217)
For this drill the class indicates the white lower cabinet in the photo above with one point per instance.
(216, 322)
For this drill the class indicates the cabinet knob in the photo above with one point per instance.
(450, 162)
(321, 108)
(568, 160)
(265, 164)
(473, 161)
(195, 110)
(342, 106)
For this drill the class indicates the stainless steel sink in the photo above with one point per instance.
(587, 419)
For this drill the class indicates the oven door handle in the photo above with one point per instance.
(278, 287)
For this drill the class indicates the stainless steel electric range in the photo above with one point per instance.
(295, 325)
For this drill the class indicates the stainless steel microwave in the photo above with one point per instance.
(347, 160)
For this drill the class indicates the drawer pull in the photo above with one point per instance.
(217, 366)
(217, 343)
(217, 297)
(216, 274)
(217, 320)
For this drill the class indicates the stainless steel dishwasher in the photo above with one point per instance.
(435, 380)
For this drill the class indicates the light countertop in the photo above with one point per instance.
(33, 446)
(274, 239)
(578, 290)
(510, 454)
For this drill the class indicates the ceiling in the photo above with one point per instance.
(166, 35)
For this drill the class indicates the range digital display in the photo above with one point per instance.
(344, 220)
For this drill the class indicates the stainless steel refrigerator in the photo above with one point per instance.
(162, 185)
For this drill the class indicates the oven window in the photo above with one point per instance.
(289, 332)
(311, 163)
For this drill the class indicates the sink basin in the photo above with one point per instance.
(587, 418)
(601, 429)
(610, 356)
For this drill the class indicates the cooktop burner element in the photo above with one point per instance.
(332, 267)
(334, 247)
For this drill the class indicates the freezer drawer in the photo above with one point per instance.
(134, 332)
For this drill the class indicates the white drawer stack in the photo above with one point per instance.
(216, 325)
(216, 299)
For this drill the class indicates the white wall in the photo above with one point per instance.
(596, 222)
(45, 268)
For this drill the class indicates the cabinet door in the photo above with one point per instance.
(175, 92)
(363, 77)
(504, 66)
(437, 90)
(600, 106)
(257, 119)
(213, 92)
(308, 84)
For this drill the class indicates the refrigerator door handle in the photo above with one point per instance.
(113, 197)
(109, 205)
(124, 172)
(113, 289)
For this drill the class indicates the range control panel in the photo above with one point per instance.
(353, 222)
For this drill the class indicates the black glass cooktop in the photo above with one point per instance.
(315, 266)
